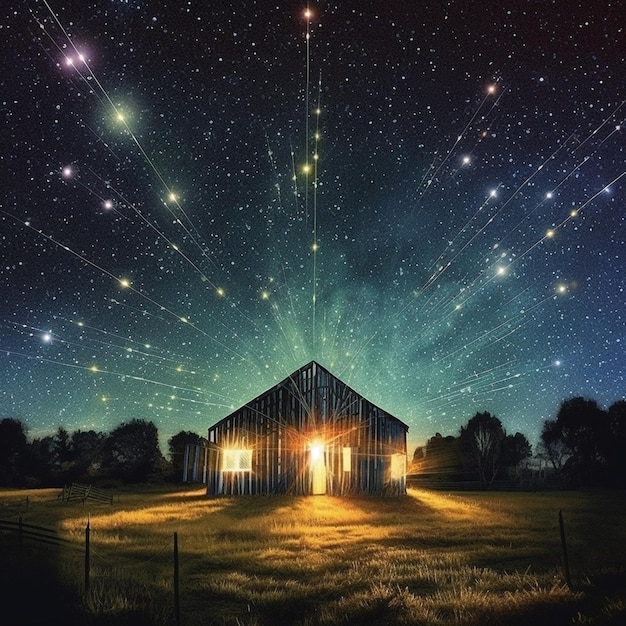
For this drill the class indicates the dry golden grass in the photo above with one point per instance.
(427, 558)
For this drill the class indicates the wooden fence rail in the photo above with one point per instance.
(34, 533)
(50, 536)
(80, 492)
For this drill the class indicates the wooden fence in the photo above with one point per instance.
(35, 533)
(79, 492)
(49, 536)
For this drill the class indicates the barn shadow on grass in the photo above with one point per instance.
(378, 507)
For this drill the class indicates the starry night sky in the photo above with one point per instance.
(456, 244)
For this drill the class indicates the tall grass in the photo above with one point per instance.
(427, 558)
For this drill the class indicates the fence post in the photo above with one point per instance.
(176, 587)
(87, 533)
(568, 579)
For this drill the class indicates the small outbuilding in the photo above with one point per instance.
(309, 434)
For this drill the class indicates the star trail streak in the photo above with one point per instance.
(198, 202)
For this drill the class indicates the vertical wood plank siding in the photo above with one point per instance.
(280, 427)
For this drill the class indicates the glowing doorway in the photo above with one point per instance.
(318, 469)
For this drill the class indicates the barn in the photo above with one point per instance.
(309, 434)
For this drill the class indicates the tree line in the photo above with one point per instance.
(584, 446)
(130, 453)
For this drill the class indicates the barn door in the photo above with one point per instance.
(318, 469)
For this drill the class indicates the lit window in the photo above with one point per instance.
(398, 466)
(347, 459)
(237, 461)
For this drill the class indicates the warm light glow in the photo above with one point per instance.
(347, 459)
(398, 466)
(318, 468)
(317, 451)
(237, 460)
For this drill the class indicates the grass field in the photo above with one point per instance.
(474, 558)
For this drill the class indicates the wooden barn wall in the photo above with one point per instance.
(281, 425)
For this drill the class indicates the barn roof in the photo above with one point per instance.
(295, 376)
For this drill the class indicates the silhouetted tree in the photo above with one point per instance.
(440, 459)
(62, 455)
(39, 457)
(87, 449)
(51, 458)
(420, 453)
(176, 448)
(578, 442)
(516, 449)
(585, 429)
(12, 449)
(617, 443)
(553, 446)
(131, 452)
(481, 443)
